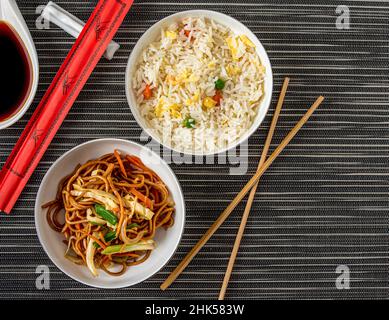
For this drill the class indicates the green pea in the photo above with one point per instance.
(219, 84)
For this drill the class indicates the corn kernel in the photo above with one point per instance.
(209, 103)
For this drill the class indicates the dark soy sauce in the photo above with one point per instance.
(15, 72)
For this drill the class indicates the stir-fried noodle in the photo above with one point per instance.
(112, 207)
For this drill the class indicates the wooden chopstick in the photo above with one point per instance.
(251, 197)
(192, 253)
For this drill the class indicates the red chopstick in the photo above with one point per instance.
(59, 98)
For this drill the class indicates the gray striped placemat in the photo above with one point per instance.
(324, 202)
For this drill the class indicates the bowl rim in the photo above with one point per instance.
(174, 181)
(265, 104)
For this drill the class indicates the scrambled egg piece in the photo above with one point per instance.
(233, 70)
(235, 46)
(212, 65)
(232, 45)
(171, 79)
(160, 108)
(183, 76)
(171, 34)
(246, 41)
(192, 78)
(192, 100)
(175, 110)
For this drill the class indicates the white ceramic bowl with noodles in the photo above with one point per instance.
(166, 240)
(154, 130)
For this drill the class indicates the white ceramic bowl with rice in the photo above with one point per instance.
(199, 82)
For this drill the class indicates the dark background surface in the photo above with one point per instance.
(323, 203)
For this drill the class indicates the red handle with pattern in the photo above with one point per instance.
(59, 98)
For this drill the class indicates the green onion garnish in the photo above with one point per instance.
(133, 225)
(106, 215)
(189, 123)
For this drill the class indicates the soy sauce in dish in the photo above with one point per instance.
(15, 72)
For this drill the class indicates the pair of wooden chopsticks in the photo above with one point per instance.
(250, 200)
(251, 185)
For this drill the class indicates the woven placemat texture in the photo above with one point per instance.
(323, 203)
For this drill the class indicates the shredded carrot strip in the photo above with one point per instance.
(138, 163)
(187, 34)
(102, 237)
(147, 92)
(134, 160)
(98, 242)
(105, 259)
(217, 97)
(123, 170)
(95, 239)
(142, 198)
